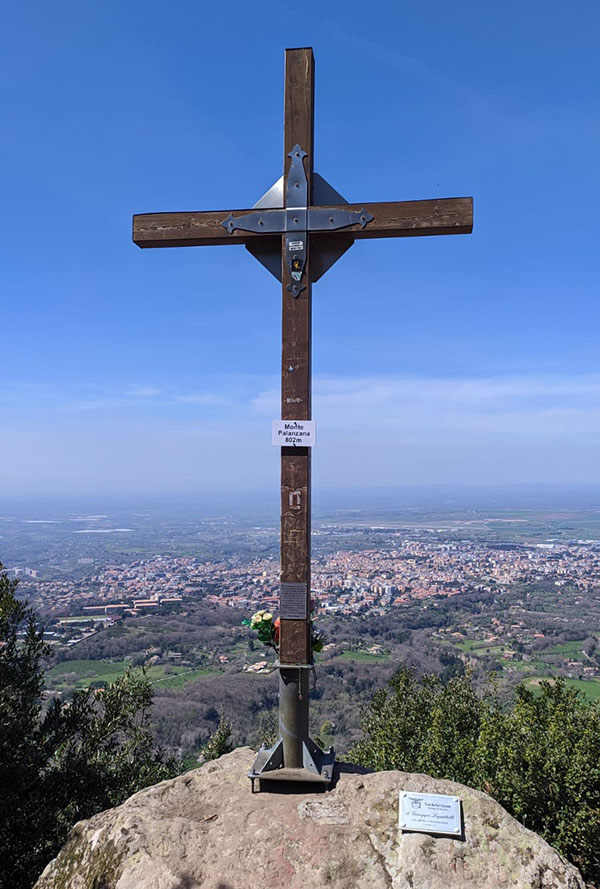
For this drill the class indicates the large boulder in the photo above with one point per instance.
(206, 830)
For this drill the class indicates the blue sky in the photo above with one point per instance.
(470, 359)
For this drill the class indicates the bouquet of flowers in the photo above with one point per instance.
(267, 629)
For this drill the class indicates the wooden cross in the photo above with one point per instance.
(298, 230)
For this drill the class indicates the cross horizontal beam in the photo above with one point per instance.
(392, 219)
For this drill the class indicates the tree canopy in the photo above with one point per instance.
(61, 761)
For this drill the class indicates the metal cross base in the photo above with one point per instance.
(317, 767)
(295, 756)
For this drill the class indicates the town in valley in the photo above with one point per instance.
(513, 592)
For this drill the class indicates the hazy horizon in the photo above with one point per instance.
(327, 499)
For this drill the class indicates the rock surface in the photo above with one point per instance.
(205, 830)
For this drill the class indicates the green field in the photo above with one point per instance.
(86, 672)
(469, 645)
(573, 649)
(80, 674)
(476, 646)
(590, 688)
(526, 666)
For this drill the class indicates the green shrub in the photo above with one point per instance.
(218, 743)
(539, 756)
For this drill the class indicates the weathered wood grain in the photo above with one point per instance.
(296, 382)
(194, 229)
(393, 219)
(398, 219)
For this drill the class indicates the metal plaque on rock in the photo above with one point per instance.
(429, 813)
(293, 604)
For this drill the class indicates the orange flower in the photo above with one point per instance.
(276, 635)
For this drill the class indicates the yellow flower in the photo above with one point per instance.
(260, 617)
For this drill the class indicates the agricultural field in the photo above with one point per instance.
(71, 675)
(589, 688)
(525, 661)
(568, 649)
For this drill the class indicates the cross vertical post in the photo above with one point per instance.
(296, 405)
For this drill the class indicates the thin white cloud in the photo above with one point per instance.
(96, 404)
(145, 397)
(207, 398)
(140, 391)
(437, 400)
(542, 407)
(411, 67)
(372, 430)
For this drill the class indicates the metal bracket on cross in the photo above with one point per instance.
(316, 219)
(296, 220)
